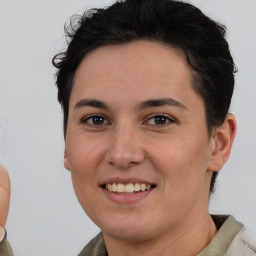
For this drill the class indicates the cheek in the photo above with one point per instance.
(84, 155)
(85, 193)
(182, 169)
(84, 159)
(181, 161)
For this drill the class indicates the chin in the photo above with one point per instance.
(128, 231)
(127, 235)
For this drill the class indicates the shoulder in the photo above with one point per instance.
(244, 243)
(5, 247)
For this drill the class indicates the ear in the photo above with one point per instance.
(222, 137)
(66, 162)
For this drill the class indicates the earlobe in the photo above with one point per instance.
(222, 143)
(66, 162)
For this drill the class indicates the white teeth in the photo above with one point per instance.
(143, 187)
(109, 187)
(114, 187)
(137, 187)
(120, 188)
(128, 188)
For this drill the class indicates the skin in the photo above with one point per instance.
(177, 156)
(4, 198)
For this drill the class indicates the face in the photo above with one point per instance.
(137, 143)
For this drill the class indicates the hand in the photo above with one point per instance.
(4, 195)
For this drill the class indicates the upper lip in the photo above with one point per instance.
(125, 181)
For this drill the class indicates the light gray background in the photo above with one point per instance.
(45, 217)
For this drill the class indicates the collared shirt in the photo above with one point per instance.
(5, 248)
(232, 239)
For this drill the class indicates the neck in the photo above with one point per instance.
(187, 240)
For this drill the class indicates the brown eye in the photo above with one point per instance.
(160, 120)
(96, 120)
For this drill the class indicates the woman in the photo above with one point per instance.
(145, 88)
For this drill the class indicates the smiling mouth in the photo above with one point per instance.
(130, 188)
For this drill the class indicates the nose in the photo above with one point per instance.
(125, 148)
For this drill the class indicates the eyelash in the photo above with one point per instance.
(161, 117)
(86, 119)
(104, 121)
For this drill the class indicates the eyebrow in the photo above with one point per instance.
(159, 103)
(91, 103)
(143, 105)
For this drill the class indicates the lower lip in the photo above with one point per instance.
(126, 198)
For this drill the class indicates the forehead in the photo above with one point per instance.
(137, 53)
(138, 70)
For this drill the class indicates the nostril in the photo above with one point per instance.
(124, 151)
(124, 159)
